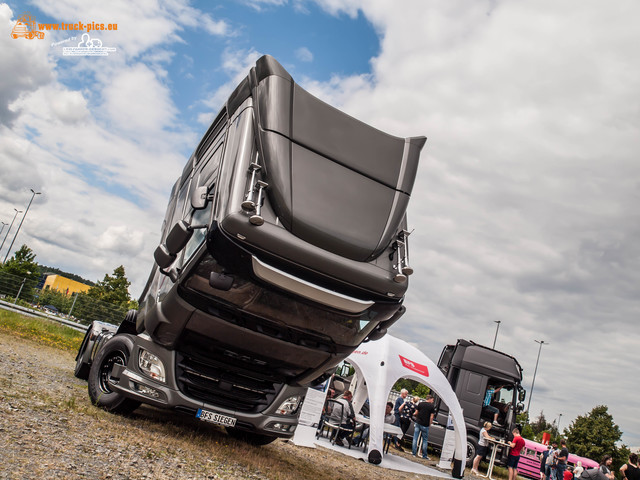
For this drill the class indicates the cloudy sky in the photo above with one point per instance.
(525, 208)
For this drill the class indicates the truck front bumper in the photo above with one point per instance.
(133, 383)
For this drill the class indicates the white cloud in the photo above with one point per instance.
(235, 65)
(104, 157)
(67, 106)
(24, 63)
(136, 101)
(260, 5)
(122, 240)
(304, 54)
(141, 25)
(524, 206)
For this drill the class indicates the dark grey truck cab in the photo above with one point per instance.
(470, 369)
(284, 246)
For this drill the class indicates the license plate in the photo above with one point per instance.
(216, 418)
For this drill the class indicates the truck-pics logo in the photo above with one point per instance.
(26, 27)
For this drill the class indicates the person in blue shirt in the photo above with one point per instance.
(486, 406)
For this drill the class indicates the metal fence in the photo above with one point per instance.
(78, 307)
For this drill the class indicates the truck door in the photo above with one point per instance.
(470, 392)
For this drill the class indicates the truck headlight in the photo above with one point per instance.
(290, 405)
(151, 365)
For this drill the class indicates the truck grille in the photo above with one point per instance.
(224, 378)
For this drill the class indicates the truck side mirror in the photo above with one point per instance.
(178, 237)
(521, 395)
(199, 197)
(163, 258)
(166, 253)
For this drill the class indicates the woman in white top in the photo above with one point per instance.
(483, 445)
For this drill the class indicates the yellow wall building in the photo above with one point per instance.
(64, 285)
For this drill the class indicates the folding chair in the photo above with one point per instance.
(336, 415)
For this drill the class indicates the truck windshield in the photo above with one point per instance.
(506, 394)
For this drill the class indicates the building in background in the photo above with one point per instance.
(64, 285)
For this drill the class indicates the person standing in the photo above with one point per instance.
(423, 417)
(483, 446)
(568, 473)
(486, 405)
(578, 470)
(406, 412)
(514, 454)
(552, 460)
(605, 467)
(631, 470)
(543, 462)
(400, 401)
(563, 455)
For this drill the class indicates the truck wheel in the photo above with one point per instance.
(256, 439)
(472, 449)
(82, 368)
(116, 351)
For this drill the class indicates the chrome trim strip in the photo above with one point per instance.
(403, 164)
(134, 376)
(308, 290)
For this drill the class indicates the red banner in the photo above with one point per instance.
(413, 366)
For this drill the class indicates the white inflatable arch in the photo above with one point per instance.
(383, 362)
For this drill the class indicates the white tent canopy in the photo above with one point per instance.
(383, 362)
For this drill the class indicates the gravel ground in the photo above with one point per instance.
(50, 430)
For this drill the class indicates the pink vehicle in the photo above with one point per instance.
(529, 464)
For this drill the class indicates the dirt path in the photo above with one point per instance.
(50, 430)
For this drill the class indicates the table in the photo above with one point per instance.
(392, 430)
(494, 449)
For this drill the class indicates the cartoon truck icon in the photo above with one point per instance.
(26, 27)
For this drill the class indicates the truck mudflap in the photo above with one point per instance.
(97, 333)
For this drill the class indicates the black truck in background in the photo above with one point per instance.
(471, 368)
(284, 246)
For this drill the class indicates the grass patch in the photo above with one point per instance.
(40, 330)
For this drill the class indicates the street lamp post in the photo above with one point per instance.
(497, 322)
(3, 225)
(21, 221)
(559, 417)
(541, 342)
(7, 234)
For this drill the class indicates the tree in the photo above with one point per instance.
(23, 264)
(526, 431)
(44, 269)
(58, 299)
(112, 289)
(595, 435)
(540, 425)
(20, 274)
(413, 387)
(107, 301)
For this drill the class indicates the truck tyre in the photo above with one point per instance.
(116, 351)
(256, 439)
(472, 449)
(82, 367)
